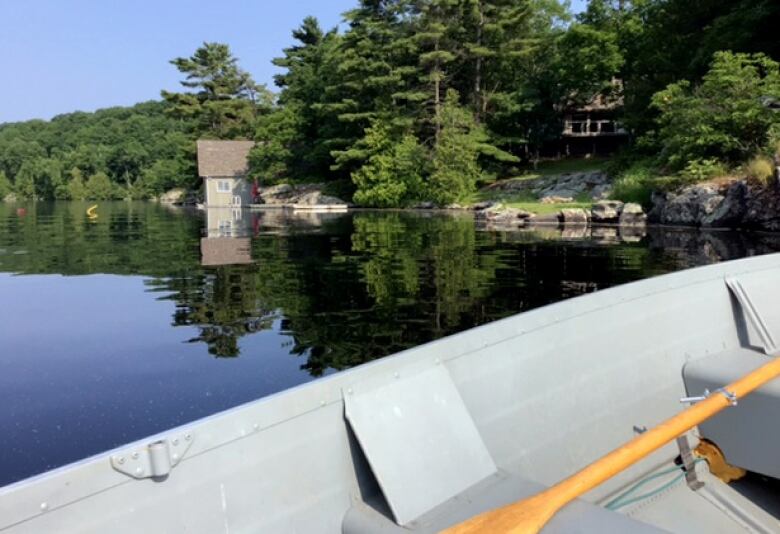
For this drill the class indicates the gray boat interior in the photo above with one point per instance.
(431, 436)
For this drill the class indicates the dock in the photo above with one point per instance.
(312, 208)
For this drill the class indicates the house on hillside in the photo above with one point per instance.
(223, 166)
(593, 129)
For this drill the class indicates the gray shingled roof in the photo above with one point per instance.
(223, 158)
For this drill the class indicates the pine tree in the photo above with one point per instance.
(294, 139)
(226, 99)
(496, 33)
(437, 52)
(376, 73)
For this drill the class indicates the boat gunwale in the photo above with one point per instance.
(327, 391)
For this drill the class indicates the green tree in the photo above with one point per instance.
(161, 176)
(99, 187)
(393, 173)
(438, 51)
(724, 117)
(76, 188)
(25, 181)
(456, 170)
(225, 101)
(279, 140)
(16, 150)
(376, 75)
(496, 34)
(6, 187)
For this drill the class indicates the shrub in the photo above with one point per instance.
(724, 116)
(636, 184)
(698, 170)
(760, 169)
(392, 176)
(99, 187)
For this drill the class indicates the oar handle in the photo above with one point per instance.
(529, 516)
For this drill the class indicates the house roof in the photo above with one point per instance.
(223, 158)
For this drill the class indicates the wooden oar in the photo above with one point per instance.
(530, 515)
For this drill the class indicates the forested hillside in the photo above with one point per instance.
(426, 99)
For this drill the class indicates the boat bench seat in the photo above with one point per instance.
(374, 517)
(747, 433)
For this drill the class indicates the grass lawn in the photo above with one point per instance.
(547, 168)
(544, 209)
(528, 202)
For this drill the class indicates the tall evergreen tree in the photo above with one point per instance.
(294, 138)
(225, 100)
(376, 72)
(495, 34)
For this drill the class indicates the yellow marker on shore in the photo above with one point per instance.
(91, 213)
(530, 515)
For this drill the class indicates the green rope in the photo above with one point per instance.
(619, 502)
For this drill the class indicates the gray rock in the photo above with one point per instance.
(10, 197)
(731, 210)
(561, 193)
(278, 190)
(601, 191)
(483, 205)
(574, 216)
(317, 198)
(174, 196)
(691, 205)
(277, 194)
(549, 218)
(454, 206)
(424, 206)
(574, 231)
(556, 200)
(632, 215)
(658, 202)
(606, 211)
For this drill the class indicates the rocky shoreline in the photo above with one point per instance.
(603, 212)
(734, 203)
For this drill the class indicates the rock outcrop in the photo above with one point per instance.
(735, 204)
(174, 196)
(595, 185)
(632, 215)
(306, 194)
(10, 197)
(574, 216)
(606, 211)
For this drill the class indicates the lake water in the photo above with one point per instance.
(150, 317)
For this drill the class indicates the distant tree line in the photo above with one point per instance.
(426, 99)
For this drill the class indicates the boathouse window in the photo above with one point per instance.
(223, 186)
(226, 228)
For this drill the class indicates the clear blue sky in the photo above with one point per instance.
(58, 56)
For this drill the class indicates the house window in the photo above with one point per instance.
(225, 228)
(223, 186)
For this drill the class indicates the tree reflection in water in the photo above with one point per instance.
(345, 288)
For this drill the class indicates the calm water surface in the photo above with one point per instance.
(150, 317)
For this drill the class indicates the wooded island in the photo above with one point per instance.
(428, 100)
